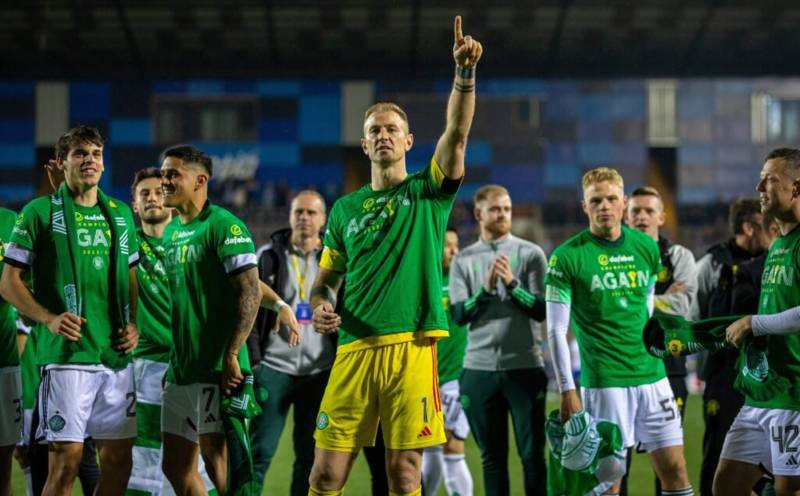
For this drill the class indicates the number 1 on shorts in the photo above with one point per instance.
(425, 409)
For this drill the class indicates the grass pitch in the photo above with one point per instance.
(641, 478)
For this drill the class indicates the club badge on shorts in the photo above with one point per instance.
(56, 423)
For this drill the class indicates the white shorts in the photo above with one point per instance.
(455, 420)
(190, 411)
(76, 403)
(766, 437)
(646, 414)
(148, 375)
(10, 406)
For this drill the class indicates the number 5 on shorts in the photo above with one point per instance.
(666, 405)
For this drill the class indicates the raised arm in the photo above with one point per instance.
(452, 144)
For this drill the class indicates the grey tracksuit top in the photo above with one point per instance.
(503, 334)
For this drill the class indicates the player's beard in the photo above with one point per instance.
(156, 218)
(499, 229)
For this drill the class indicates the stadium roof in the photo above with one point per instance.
(149, 39)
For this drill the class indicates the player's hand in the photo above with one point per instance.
(466, 50)
(490, 279)
(502, 267)
(677, 287)
(736, 332)
(67, 324)
(286, 317)
(570, 404)
(325, 319)
(231, 373)
(54, 173)
(127, 338)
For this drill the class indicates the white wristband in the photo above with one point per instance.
(276, 307)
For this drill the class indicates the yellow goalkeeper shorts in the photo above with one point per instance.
(394, 384)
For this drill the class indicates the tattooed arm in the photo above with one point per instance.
(248, 291)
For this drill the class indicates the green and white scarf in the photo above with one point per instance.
(668, 335)
(586, 455)
(62, 224)
(237, 410)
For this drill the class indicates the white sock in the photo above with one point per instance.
(432, 469)
(686, 491)
(457, 478)
(26, 471)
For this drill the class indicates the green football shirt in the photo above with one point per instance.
(201, 256)
(389, 243)
(153, 310)
(450, 350)
(32, 247)
(8, 316)
(606, 284)
(779, 292)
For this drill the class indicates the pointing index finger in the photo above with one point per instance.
(457, 29)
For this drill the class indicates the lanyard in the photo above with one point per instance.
(301, 277)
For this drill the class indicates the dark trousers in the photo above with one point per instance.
(681, 392)
(488, 397)
(284, 390)
(376, 460)
(721, 404)
(88, 470)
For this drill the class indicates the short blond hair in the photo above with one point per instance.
(600, 174)
(386, 107)
(484, 192)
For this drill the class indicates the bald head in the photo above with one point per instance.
(307, 214)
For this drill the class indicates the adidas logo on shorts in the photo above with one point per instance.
(792, 461)
(425, 432)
